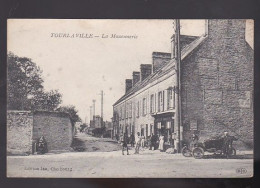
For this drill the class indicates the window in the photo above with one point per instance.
(144, 106)
(123, 113)
(130, 110)
(126, 111)
(170, 99)
(160, 101)
(152, 103)
(137, 109)
(120, 113)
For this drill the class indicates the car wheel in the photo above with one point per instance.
(186, 152)
(198, 152)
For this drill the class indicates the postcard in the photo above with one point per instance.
(111, 98)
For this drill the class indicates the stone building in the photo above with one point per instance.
(216, 88)
(24, 128)
(97, 122)
(148, 105)
(217, 84)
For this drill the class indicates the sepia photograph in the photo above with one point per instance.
(130, 98)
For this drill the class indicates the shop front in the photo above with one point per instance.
(164, 125)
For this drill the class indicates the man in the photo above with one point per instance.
(226, 142)
(194, 141)
(138, 143)
(153, 142)
(124, 143)
(132, 140)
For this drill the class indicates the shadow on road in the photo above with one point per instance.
(78, 145)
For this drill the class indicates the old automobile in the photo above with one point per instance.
(216, 145)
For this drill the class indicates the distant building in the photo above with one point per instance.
(216, 88)
(97, 122)
(109, 128)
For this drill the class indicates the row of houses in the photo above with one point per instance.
(216, 88)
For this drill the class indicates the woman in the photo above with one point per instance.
(42, 146)
(142, 142)
(138, 143)
(161, 143)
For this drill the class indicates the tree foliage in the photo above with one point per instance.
(25, 86)
(72, 111)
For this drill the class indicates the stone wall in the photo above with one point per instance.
(19, 132)
(217, 84)
(56, 127)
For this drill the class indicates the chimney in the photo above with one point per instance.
(226, 29)
(160, 59)
(136, 77)
(128, 85)
(146, 70)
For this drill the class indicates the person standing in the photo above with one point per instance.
(153, 142)
(138, 143)
(161, 143)
(124, 143)
(42, 146)
(142, 142)
(194, 141)
(132, 140)
(226, 142)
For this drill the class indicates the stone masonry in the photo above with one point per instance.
(56, 127)
(19, 132)
(217, 84)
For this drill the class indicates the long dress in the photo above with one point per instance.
(161, 143)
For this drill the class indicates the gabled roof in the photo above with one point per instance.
(188, 44)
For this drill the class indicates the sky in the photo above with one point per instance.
(81, 67)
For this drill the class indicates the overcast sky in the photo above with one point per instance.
(81, 67)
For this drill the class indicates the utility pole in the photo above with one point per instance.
(102, 103)
(90, 113)
(94, 109)
(177, 55)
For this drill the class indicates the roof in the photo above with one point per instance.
(188, 44)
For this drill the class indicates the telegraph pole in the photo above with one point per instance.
(177, 55)
(90, 113)
(102, 103)
(93, 108)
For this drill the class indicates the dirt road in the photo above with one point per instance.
(114, 164)
(83, 142)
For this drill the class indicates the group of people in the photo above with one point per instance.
(154, 142)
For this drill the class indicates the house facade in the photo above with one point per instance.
(216, 88)
(217, 84)
(149, 100)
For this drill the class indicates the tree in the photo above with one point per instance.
(25, 86)
(46, 100)
(72, 111)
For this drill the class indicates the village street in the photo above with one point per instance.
(84, 142)
(113, 164)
